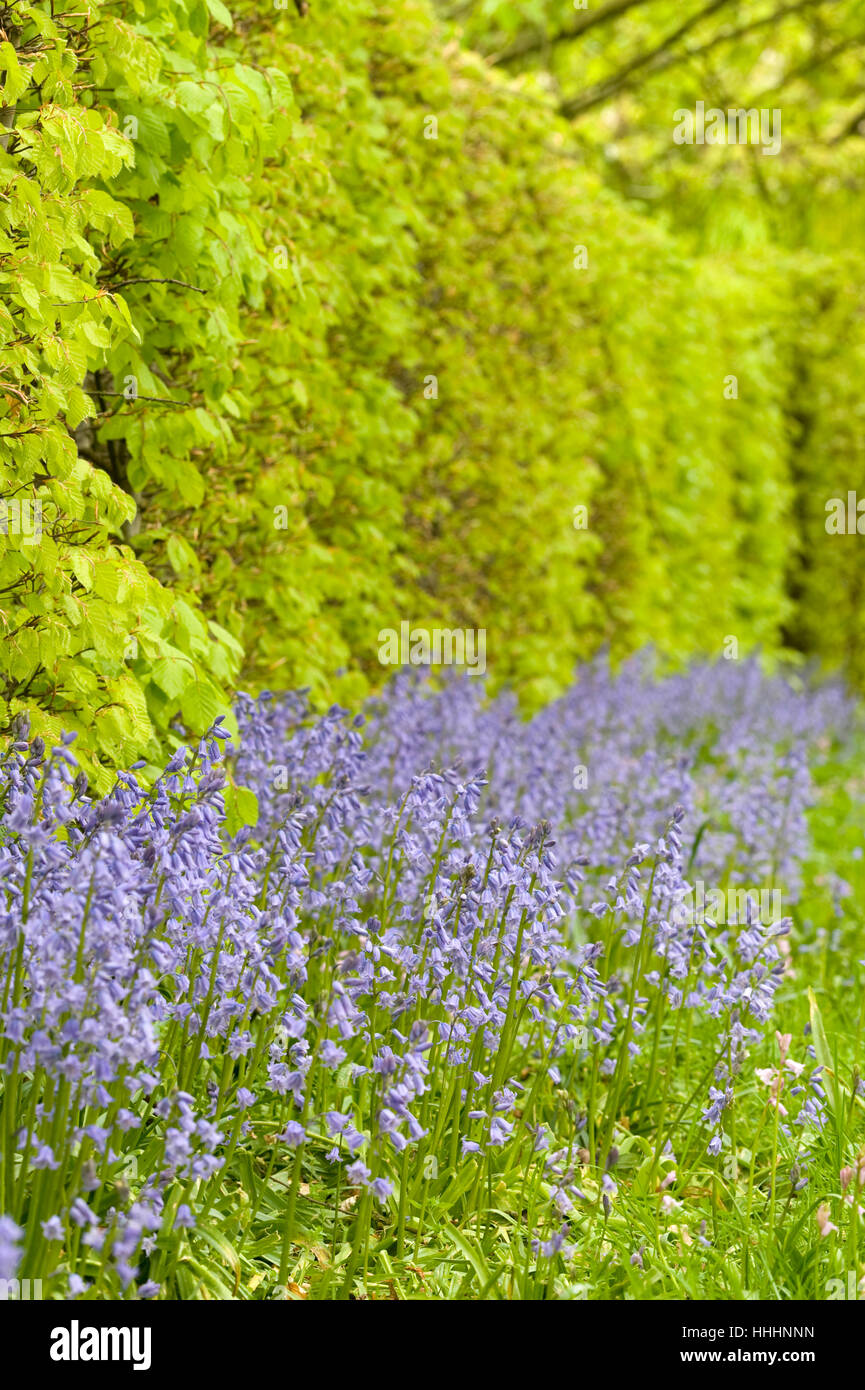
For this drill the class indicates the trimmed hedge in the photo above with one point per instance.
(236, 249)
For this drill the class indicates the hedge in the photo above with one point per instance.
(300, 342)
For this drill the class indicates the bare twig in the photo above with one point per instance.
(150, 280)
(157, 400)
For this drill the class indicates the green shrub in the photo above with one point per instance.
(233, 261)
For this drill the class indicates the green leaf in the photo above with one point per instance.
(173, 674)
(15, 80)
(241, 808)
(473, 1253)
(220, 13)
(200, 705)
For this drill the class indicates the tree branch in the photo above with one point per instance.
(851, 128)
(535, 43)
(158, 400)
(595, 95)
(815, 60)
(660, 58)
(148, 280)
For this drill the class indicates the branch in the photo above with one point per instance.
(851, 128)
(659, 59)
(534, 43)
(729, 35)
(577, 105)
(149, 280)
(816, 59)
(158, 400)
(458, 11)
(7, 121)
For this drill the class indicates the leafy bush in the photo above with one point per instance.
(234, 262)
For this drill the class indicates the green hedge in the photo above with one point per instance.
(232, 259)
(827, 411)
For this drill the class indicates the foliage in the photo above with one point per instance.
(233, 263)
(619, 70)
(827, 568)
(92, 641)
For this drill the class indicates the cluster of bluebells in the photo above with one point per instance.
(426, 903)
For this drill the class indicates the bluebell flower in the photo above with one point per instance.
(11, 1236)
(294, 1134)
